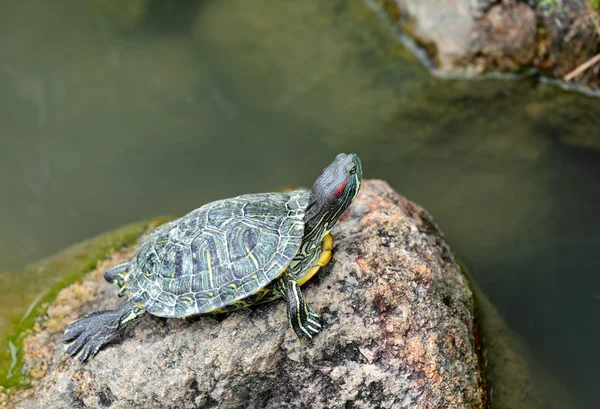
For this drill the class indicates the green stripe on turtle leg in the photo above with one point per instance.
(304, 322)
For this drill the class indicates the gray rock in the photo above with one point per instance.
(471, 37)
(398, 333)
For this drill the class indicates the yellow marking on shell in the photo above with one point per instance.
(210, 275)
(324, 258)
(255, 277)
(190, 299)
(148, 273)
(254, 260)
(233, 286)
(172, 278)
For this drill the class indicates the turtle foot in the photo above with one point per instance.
(90, 333)
(310, 326)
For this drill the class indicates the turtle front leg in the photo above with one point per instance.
(90, 333)
(115, 274)
(304, 321)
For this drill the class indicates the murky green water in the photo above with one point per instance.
(101, 126)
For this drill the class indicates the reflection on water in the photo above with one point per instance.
(104, 125)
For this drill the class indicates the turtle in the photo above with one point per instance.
(228, 254)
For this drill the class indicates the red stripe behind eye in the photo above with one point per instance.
(340, 188)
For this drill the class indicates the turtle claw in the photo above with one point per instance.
(88, 350)
(314, 321)
(73, 331)
(309, 327)
(314, 315)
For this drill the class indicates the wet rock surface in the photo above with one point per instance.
(476, 36)
(398, 332)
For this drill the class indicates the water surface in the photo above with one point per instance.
(104, 122)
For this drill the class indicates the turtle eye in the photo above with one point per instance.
(352, 170)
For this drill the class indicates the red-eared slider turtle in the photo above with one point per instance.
(229, 254)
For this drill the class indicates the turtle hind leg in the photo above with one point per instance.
(90, 333)
(304, 321)
(116, 274)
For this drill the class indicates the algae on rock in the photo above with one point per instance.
(45, 279)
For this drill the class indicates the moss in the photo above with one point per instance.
(74, 262)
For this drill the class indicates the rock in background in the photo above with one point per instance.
(475, 36)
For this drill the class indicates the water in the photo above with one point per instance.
(105, 121)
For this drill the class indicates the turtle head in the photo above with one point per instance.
(332, 193)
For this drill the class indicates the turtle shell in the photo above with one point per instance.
(217, 254)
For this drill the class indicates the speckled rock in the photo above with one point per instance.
(469, 34)
(398, 332)
(471, 37)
